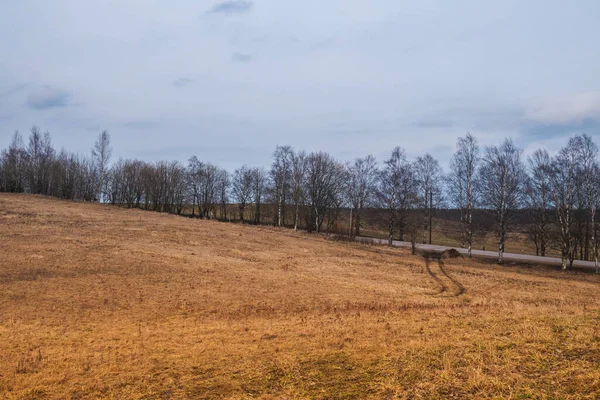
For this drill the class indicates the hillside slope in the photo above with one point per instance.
(97, 301)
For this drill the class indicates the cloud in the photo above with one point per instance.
(142, 125)
(46, 97)
(576, 109)
(232, 7)
(439, 148)
(471, 116)
(243, 58)
(70, 120)
(181, 82)
(563, 129)
(7, 91)
(6, 116)
(434, 122)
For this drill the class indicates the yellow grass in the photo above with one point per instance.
(102, 302)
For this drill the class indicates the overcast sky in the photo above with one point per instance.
(228, 81)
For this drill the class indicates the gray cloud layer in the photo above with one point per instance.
(181, 82)
(46, 97)
(243, 58)
(232, 7)
(345, 76)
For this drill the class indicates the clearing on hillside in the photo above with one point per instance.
(102, 302)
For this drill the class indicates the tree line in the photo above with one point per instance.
(559, 194)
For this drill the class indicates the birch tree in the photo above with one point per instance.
(502, 178)
(593, 194)
(34, 151)
(538, 199)
(586, 153)
(39, 156)
(13, 165)
(241, 188)
(202, 178)
(429, 180)
(397, 192)
(324, 186)
(563, 179)
(223, 184)
(259, 180)
(463, 167)
(360, 187)
(208, 191)
(299, 167)
(281, 177)
(101, 153)
(193, 174)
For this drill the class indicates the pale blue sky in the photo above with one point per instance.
(228, 81)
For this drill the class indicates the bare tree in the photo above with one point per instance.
(259, 180)
(281, 177)
(593, 204)
(242, 188)
(429, 180)
(299, 167)
(48, 156)
(538, 199)
(177, 187)
(502, 178)
(316, 187)
(397, 192)
(203, 186)
(463, 167)
(361, 187)
(116, 185)
(124, 183)
(223, 184)
(132, 175)
(194, 182)
(13, 165)
(34, 151)
(564, 196)
(324, 185)
(101, 153)
(88, 186)
(586, 152)
(39, 155)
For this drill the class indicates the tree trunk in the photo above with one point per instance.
(350, 228)
(430, 214)
(257, 214)
(469, 230)
(502, 240)
(564, 256)
(594, 246)
(279, 212)
(391, 231)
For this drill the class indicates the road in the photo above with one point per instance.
(481, 254)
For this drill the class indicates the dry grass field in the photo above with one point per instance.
(102, 302)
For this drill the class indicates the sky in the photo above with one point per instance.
(228, 81)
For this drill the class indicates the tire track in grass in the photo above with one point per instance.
(449, 286)
(443, 288)
(457, 284)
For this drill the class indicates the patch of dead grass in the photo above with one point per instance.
(101, 302)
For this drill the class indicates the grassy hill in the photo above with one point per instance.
(102, 302)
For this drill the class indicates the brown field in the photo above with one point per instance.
(102, 302)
